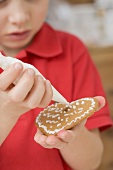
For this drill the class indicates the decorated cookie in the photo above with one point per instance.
(64, 116)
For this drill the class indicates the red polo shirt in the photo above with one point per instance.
(63, 59)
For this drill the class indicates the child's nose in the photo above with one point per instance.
(18, 16)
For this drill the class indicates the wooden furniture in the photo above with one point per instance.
(80, 1)
(103, 58)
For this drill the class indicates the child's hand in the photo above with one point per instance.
(30, 91)
(61, 140)
(65, 136)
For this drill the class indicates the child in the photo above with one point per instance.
(62, 59)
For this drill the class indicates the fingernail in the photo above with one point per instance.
(18, 66)
(35, 138)
(63, 136)
(50, 143)
(48, 82)
(30, 71)
(40, 78)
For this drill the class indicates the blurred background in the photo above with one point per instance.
(92, 22)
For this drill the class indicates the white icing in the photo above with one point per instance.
(82, 102)
(80, 108)
(58, 124)
(74, 107)
(91, 108)
(57, 110)
(51, 121)
(51, 109)
(67, 114)
(52, 115)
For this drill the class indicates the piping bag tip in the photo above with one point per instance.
(57, 97)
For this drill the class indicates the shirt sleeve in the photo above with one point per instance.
(87, 83)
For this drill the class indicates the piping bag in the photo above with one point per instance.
(7, 61)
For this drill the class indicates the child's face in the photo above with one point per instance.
(19, 21)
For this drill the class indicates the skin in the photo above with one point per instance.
(17, 16)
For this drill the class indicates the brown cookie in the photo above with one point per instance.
(61, 116)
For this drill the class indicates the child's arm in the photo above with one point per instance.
(80, 148)
(85, 152)
(30, 91)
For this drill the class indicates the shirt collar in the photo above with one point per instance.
(46, 43)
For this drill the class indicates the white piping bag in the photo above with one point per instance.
(7, 61)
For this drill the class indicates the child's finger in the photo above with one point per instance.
(8, 76)
(65, 136)
(41, 139)
(37, 93)
(47, 95)
(19, 92)
(38, 135)
(69, 135)
(55, 142)
(101, 101)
